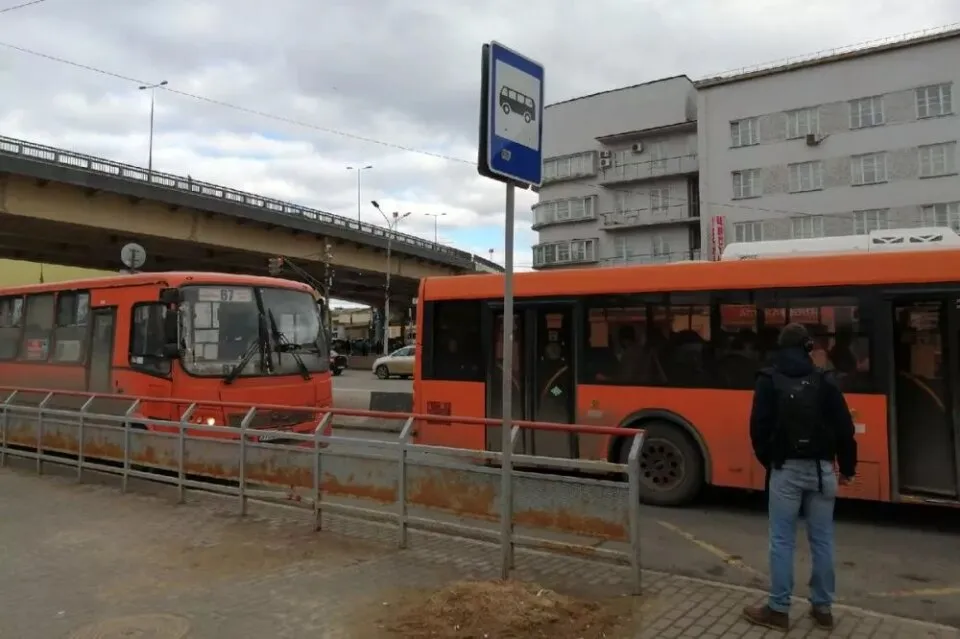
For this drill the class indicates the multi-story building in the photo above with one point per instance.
(620, 177)
(841, 144)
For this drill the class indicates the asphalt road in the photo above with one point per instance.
(361, 379)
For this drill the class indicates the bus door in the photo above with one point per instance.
(543, 380)
(100, 360)
(926, 397)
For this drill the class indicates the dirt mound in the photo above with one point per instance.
(503, 610)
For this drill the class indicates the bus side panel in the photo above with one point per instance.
(466, 399)
(873, 451)
(721, 417)
(72, 377)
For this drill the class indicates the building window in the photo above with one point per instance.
(660, 199)
(802, 122)
(658, 163)
(873, 220)
(806, 227)
(621, 248)
(748, 232)
(938, 159)
(866, 112)
(934, 101)
(571, 210)
(569, 167)
(806, 176)
(660, 248)
(569, 252)
(943, 214)
(746, 183)
(745, 132)
(868, 169)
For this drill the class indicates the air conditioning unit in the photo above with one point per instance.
(606, 163)
(606, 154)
(812, 139)
(637, 147)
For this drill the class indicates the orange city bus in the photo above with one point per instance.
(675, 349)
(203, 337)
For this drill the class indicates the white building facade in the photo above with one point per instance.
(840, 145)
(620, 178)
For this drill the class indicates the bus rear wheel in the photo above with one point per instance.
(671, 465)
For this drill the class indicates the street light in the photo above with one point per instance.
(392, 222)
(152, 89)
(359, 170)
(436, 219)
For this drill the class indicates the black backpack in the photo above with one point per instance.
(802, 431)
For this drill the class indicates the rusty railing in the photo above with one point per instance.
(392, 481)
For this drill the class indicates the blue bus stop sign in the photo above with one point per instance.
(511, 115)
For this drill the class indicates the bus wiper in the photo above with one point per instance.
(261, 344)
(247, 356)
(284, 346)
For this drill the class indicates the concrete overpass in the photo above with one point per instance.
(61, 207)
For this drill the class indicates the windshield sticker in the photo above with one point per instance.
(203, 315)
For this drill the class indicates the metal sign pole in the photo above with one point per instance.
(506, 413)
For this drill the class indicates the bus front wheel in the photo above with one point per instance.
(671, 465)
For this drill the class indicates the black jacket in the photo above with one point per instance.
(796, 362)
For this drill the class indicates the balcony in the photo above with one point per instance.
(692, 255)
(643, 170)
(630, 219)
(565, 253)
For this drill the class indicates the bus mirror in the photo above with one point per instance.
(170, 296)
(170, 351)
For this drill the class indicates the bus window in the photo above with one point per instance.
(736, 346)
(38, 327)
(296, 320)
(147, 338)
(840, 343)
(617, 346)
(456, 348)
(683, 331)
(11, 323)
(70, 332)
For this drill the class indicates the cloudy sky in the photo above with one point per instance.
(327, 84)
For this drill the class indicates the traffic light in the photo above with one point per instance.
(275, 265)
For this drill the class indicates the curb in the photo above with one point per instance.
(798, 600)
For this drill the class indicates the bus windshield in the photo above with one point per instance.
(263, 331)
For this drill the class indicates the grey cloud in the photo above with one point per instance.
(400, 71)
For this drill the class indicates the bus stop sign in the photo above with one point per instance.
(511, 117)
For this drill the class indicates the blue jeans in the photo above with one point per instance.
(792, 487)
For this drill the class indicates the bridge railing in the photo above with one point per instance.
(453, 491)
(52, 155)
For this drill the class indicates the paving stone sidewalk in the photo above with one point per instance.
(94, 564)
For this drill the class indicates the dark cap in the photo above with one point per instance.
(793, 336)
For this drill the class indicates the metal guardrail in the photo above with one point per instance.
(414, 485)
(89, 163)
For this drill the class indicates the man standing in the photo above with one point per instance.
(799, 426)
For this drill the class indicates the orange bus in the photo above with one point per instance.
(195, 336)
(675, 349)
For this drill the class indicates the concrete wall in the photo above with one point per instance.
(827, 89)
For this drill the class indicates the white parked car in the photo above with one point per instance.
(399, 363)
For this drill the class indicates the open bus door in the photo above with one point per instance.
(544, 382)
(925, 413)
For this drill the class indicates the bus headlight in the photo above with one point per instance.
(211, 421)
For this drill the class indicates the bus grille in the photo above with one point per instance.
(272, 419)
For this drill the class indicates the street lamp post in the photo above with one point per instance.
(436, 219)
(359, 170)
(392, 222)
(152, 88)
